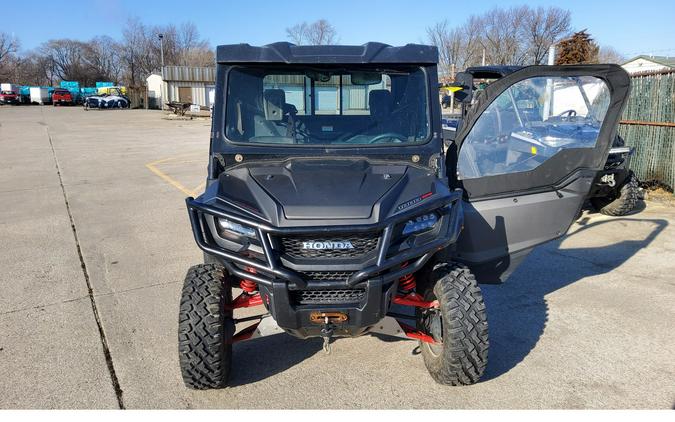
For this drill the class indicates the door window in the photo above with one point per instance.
(530, 122)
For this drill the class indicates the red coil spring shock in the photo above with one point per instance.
(407, 283)
(247, 285)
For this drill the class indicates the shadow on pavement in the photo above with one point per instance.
(517, 310)
(264, 357)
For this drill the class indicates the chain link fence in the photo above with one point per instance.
(649, 125)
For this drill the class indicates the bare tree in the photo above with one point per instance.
(193, 51)
(103, 58)
(609, 54)
(501, 35)
(64, 58)
(9, 45)
(543, 28)
(459, 46)
(516, 35)
(132, 48)
(297, 33)
(32, 69)
(320, 32)
(129, 60)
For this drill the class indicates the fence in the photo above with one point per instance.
(649, 125)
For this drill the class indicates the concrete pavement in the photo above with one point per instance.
(584, 322)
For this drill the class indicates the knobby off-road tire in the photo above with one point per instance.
(462, 356)
(629, 194)
(205, 328)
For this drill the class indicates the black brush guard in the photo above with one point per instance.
(271, 271)
(279, 286)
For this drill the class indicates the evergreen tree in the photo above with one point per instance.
(580, 48)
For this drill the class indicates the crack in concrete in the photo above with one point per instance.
(133, 289)
(83, 265)
(46, 305)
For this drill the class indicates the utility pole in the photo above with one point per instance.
(483, 60)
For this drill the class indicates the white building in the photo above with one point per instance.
(186, 84)
(641, 64)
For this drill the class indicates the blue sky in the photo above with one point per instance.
(623, 24)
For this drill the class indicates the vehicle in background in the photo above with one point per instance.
(73, 87)
(616, 190)
(449, 124)
(446, 101)
(112, 90)
(10, 94)
(62, 97)
(106, 101)
(9, 97)
(39, 95)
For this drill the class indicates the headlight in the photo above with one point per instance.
(236, 229)
(420, 224)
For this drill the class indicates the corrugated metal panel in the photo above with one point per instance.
(190, 74)
(198, 91)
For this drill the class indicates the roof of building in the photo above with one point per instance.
(284, 52)
(662, 60)
(189, 74)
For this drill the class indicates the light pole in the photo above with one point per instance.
(161, 51)
(161, 55)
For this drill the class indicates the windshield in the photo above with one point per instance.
(327, 106)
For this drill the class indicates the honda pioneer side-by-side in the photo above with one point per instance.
(331, 206)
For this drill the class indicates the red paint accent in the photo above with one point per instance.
(245, 300)
(407, 283)
(426, 195)
(245, 334)
(413, 299)
(418, 335)
(248, 286)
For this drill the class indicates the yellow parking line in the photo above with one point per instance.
(199, 187)
(176, 184)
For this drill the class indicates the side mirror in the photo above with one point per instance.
(463, 81)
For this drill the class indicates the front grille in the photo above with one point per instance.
(320, 297)
(326, 275)
(363, 244)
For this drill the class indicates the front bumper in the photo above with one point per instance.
(373, 284)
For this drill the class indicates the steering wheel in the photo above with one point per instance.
(397, 136)
(567, 114)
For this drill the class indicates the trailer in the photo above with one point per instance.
(39, 95)
(11, 88)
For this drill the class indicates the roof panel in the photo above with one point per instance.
(284, 52)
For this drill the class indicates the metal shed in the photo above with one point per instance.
(182, 83)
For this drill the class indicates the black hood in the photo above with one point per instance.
(297, 190)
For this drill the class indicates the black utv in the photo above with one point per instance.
(331, 204)
(615, 190)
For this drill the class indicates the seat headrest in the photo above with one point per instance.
(380, 103)
(275, 99)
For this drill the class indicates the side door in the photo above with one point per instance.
(527, 153)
